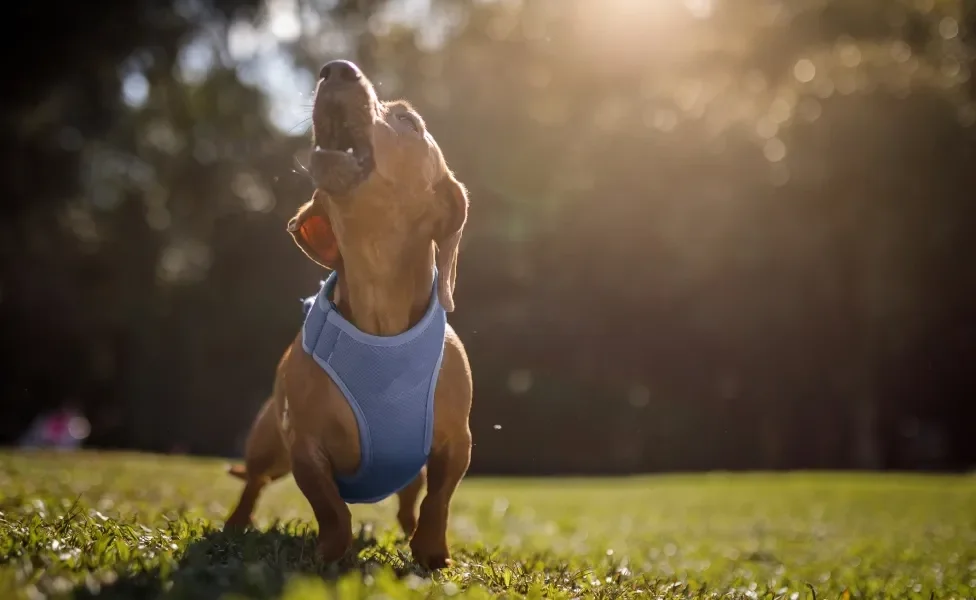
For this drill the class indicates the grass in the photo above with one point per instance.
(129, 526)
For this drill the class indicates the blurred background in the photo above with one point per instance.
(704, 234)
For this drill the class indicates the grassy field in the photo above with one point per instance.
(130, 526)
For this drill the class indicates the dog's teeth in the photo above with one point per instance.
(349, 150)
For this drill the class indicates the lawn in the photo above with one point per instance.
(131, 526)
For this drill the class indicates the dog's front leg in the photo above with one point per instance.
(314, 475)
(445, 468)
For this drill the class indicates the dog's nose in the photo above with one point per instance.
(339, 70)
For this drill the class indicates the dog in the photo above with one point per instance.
(376, 382)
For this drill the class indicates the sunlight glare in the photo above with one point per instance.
(700, 9)
(283, 20)
(195, 60)
(135, 89)
(625, 28)
(243, 40)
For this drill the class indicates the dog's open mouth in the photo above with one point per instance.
(342, 156)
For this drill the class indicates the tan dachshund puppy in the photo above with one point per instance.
(387, 214)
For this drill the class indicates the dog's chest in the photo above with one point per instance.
(388, 383)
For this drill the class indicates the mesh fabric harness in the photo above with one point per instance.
(389, 383)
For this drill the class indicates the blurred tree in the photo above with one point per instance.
(703, 234)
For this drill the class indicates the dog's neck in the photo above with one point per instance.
(385, 303)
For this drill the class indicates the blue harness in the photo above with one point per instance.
(389, 383)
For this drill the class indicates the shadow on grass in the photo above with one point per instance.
(252, 564)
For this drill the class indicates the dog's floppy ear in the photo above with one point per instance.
(454, 205)
(312, 231)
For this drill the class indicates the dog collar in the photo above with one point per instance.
(335, 317)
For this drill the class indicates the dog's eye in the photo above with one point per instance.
(409, 120)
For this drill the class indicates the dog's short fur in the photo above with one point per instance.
(382, 215)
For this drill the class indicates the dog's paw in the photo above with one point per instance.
(431, 557)
(332, 549)
(239, 518)
(238, 521)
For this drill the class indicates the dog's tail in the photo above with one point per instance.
(238, 471)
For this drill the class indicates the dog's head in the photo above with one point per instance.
(383, 189)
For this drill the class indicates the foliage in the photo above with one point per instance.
(762, 208)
